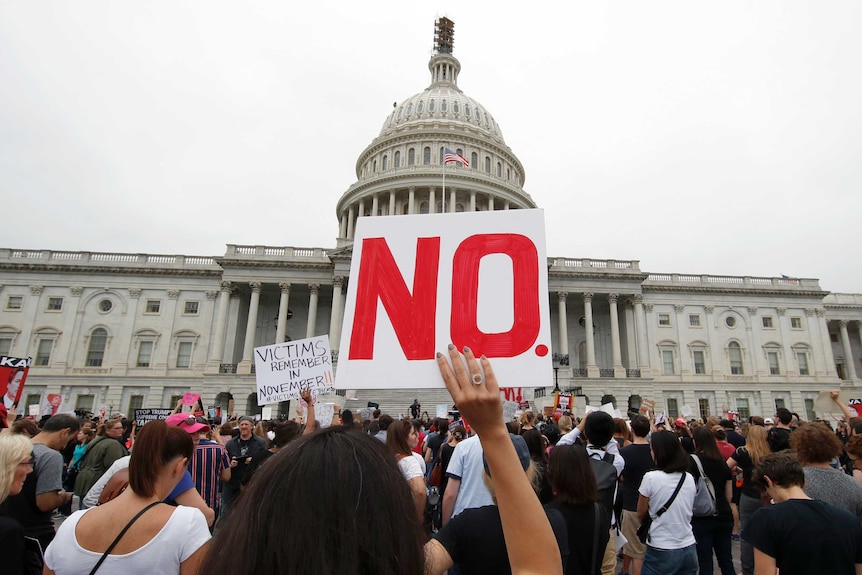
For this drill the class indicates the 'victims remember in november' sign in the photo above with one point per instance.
(283, 370)
(475, 279)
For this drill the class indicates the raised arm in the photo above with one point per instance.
(848, 413)
(309, 420)
(530, 541)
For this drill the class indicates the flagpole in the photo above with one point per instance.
(443, 211)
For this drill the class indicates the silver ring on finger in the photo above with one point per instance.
(478, 379)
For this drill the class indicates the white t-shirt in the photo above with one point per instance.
(673, 529)
(412, 466)
(466, 465)
(184, 533)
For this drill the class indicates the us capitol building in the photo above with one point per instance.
(138, 330)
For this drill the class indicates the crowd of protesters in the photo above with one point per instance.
(468, 493)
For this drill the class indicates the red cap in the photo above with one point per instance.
(680, 422)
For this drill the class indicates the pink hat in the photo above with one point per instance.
(680, 422)
(186, 421)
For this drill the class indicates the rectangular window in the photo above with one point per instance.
(703, 405)
(694, 320)
(145, 354)
(779, 403)
(43, 352)
(32, 399)
(809, 409)
(772, 357)
(664, 319)
(184, 354)
(667, 362)
(175, 399)
(15, 302)
(672, 408)
(796, 323)
(190, 308)
(55, 304)
(699, 363)
(767, 321)
(135, 402)
(802, 360)
(153, 306)
(5, 345)
(742, 408)
(833, 337)
(85, 402)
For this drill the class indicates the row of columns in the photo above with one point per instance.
(348, 218)
(849, 363)
(218, 344)
(616, 349)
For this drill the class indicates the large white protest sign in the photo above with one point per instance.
(476, 279)
(283, 370)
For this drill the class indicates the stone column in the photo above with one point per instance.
(432, 201)
(472, 200)
(350, 216)
(619, 370)
(335, 317)
(361, 212)
(452, 200)
(823, 325)
(818, 356)
(411, 202)
(391, 203)
(312, 309)
(281, 327)
(564, 326)
(250, 329)
(685, 360)
(592, 368)
(640, 327)
(506, 205)
(713, 354)
(849, 364)
(342, 228)
(375, 203)
(490, 203)
(217, 348)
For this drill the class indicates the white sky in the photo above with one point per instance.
(719, 138)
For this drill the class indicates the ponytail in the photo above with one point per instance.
(156, 446)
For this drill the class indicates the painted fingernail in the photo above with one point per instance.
(483, 357)
(467, 349)
(451, 347)
(439, 354)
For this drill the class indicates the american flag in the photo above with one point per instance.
(450, 156)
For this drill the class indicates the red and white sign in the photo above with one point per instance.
(419, 282)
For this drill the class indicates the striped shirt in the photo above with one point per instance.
(209, 460)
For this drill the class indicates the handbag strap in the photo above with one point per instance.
(706, 479)
(120, 536)
(672, 497)
(596, 512)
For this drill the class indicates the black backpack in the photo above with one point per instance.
(606, 479)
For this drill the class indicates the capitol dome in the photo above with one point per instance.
(402, 170)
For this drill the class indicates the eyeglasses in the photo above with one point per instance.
(30, 462)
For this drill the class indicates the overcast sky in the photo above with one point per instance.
(715, 138)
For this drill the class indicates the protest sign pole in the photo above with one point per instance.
(443, 193)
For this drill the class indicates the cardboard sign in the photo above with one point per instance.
(143, 416)
(686, 411)
(283, 370)
(33, 410)
(13, 375)
(647, 406)
(476, 279)
(190, 399)
(323, 413)
(266, 412)
(365, 413)
(509, 409)
(52, 404)
(443, 410)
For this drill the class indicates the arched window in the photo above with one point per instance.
(423, 208)
(411, 157)
(474, 160)
(251, 407)
(385, 162)
(487, 164)
(375, 166)
(397, 160)
(499, 169)
(96, 347)
(426, 155)
(431, 106)
(467, 110)
(421, 107)
(459, 207)
(441, 155)
(734, 353)
(455, 107)
(443, 105)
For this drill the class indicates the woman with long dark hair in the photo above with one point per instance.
(160, 538)
(671, 547)
(713, 533)
(401, 438)
(574, 484)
